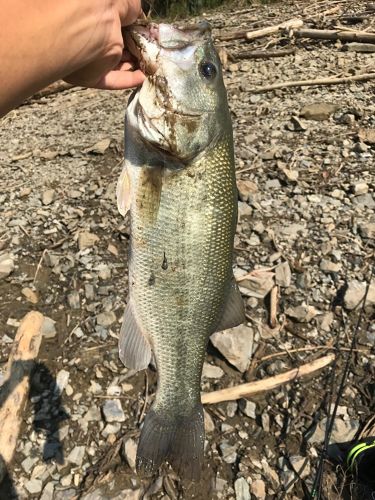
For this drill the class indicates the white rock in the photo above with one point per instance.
(6, 265)
(212, 371)
(112, 411)
(106, 318)
(130, 450)
(242, 489)
(87, 240)
(258, 285)
(34, 486)
(48, 328)
(76, 455)
(248, 408)
(48, 491)
(283, 274)
(236, 345)
(356, 291)
(62, 378)
(209, 424)
(48, 196)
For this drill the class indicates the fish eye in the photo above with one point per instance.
(208, 70)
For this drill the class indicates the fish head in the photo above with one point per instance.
(181, 107)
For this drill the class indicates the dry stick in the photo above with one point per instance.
(319, 81)
(21, 362)
(292, 24)
(246, 390)
(54, 88)
(269, 30)
(344, 36)
(263, 54)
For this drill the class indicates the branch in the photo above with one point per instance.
(319, 81)
(263, 54)
(344, 36)
(246, 390)
(269, 30)
(15, 389)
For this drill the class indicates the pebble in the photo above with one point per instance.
(242, 490)
(248, 408)
(112, 411)
(87, 240)
(62, 379)
(6, 265)
(28, 463)
(228, 452)
(209, 424)
(319, 111)
(236, 345)
(367, 229)
(76, 455)
(257, 286)
(283, 274)
(245, 188)
(330, 267)
(360, 188)
(34, 486)
(211, 371)
(301, 465)
(303, 313)
(130, 451)
(106, 318)
(48, 328)
(48, 491)
(30, 295)
(356, 291)
(231, 408)
(48, 196)
(258, 489)
(74, 300)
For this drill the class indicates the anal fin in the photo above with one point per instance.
(134, 347)
(233, 311)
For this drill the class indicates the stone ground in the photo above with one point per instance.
(306, 171)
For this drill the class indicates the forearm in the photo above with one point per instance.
(42, 41)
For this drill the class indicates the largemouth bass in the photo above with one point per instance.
(179, 185)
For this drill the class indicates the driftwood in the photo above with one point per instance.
(253, 35)
(292, 24)
(263, 54)
(251, 388)
(343, 36)
(319, 81)
(14, 390)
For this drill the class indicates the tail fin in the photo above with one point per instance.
(180, 441)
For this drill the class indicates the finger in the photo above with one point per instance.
(119, 80)
(132, 12)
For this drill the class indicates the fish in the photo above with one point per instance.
(178, 185)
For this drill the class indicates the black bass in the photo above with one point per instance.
(179, 185)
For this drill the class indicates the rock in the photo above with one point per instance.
(6, 265)
(258, 489)
(330, 267)
(76, 455)
(112, 411)
(242, 490)
(301, 465)
(93, 414)
(343, 430)
(360, 188)
(319, 111)
(62, 379)
(211, 371)
(231, 408)
(367, 135)
(28, 463)
(106, 318)
(209, 424)
(244, 210)
(283, 274)
(367, 229)
(248, 408)
(303, 313)
(364, 200)
(48, 491)
(34, 486)
(273, 184)
(326, 321)
(236, 345)
(87, 240)
(30, 295)
(257, 286)
(74, 300)
(130, 451)
(100, 147)
(228, 452)
(48, 196)
(245, 188)
(48, 328)
(356, 291)
(111, 429)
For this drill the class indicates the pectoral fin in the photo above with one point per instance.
(233, 311)
(134, 347)
(123, 191)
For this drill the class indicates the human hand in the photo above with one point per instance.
(112, 68)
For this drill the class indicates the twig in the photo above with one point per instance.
(251, 388)
(273, 306)
(292, 24)
(263, 54)
(14, 391)
(307, 349)
(348, 35)
(319, 81)
(39, 265)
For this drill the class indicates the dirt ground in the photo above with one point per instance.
(309, 212)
